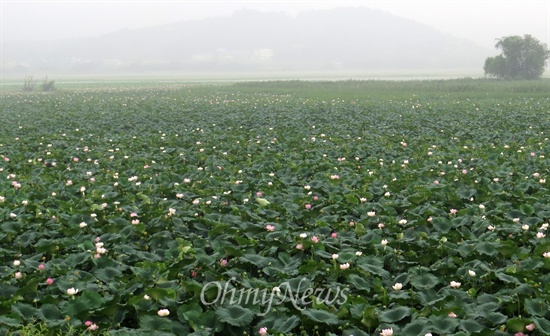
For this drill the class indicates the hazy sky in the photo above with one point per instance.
(480, 21)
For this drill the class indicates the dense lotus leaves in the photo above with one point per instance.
(425, 213)
(235, 315)
(24, 310)
(443, 324)
(394, 314)
(536, 307)
(417, 327)
(320, 316)
(542, 324)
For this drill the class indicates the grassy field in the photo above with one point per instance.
(322, 89)
(276, 208)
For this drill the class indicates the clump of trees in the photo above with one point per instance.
(521, 58)
(29, 83)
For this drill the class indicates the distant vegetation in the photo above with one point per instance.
(521, 58)
(29, 83)
(378, 89)
(48, 85)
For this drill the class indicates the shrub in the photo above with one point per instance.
(28, 84)
(48, 86)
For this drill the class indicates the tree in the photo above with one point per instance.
(28, 84)
(521, 58)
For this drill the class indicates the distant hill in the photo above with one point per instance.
(343, 39)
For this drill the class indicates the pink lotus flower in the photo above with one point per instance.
(315, 198)
(259, 194)
(451, 314)
(453, 211)
(299, 246)
(75, 159)
(223, 262)
(49, 281)
(436, 182)
(386, 332)
(315, 239)
(41, 267)
(334, 235)
(262, 331)
(163, 312)
(344, 266)
(270, 227)
(530, 327)
(308, 206)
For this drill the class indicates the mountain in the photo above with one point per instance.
(343, 39)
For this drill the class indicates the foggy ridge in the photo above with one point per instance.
(344, 39)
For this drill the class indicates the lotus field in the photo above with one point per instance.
(276, 209)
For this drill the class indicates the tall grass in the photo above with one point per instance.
(373, 89)
(345, 89)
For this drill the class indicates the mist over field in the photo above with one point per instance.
(255, 40)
